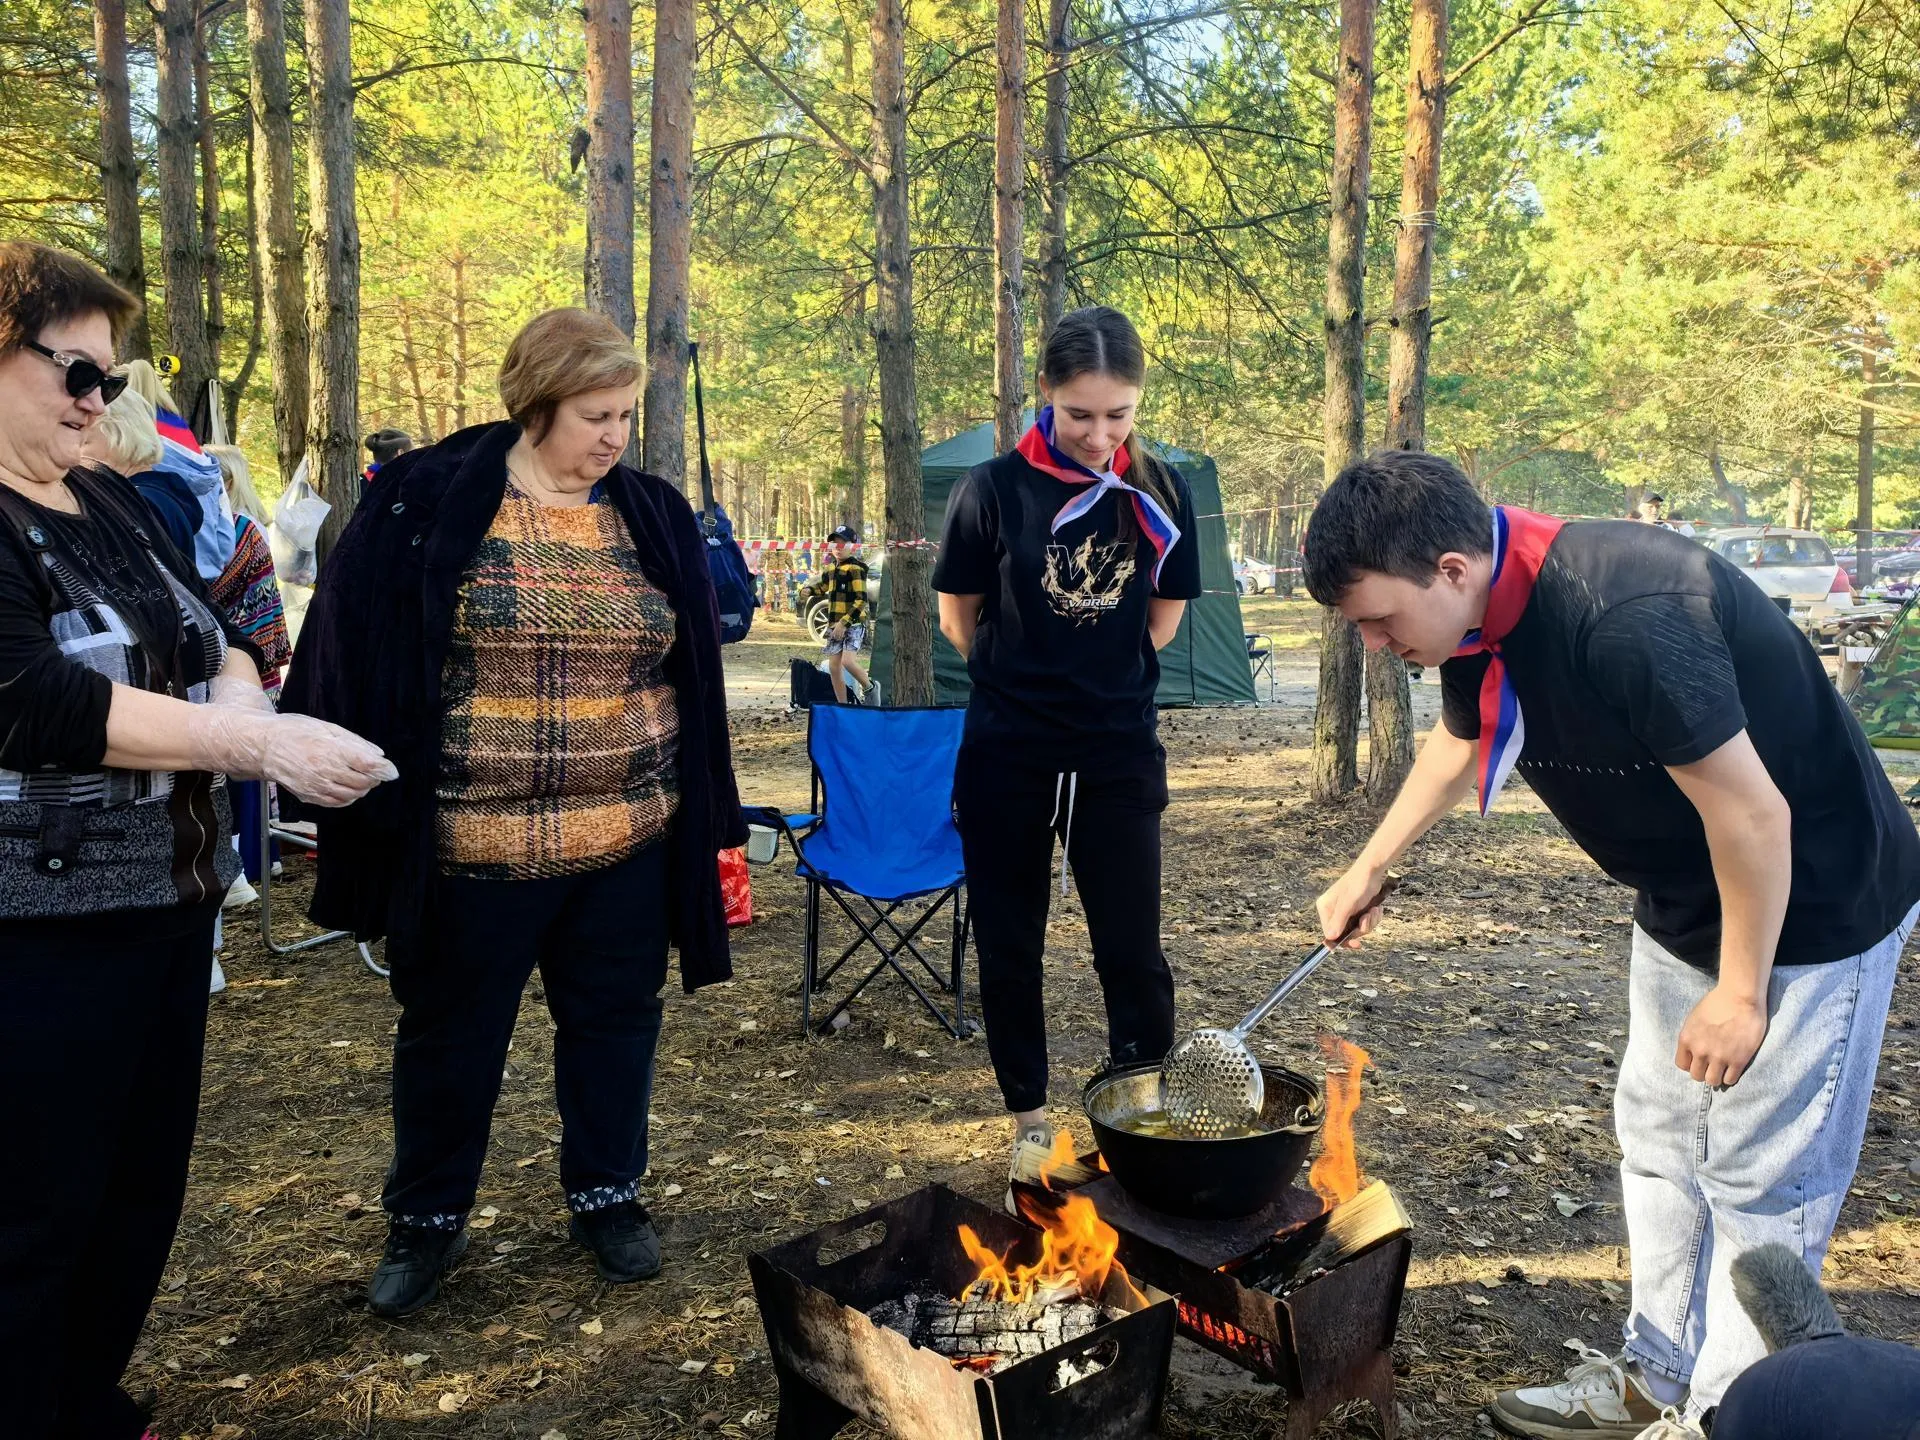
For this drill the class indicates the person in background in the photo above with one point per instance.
(124, 699)
(846, 586)
(181, 455)
(249, 596)
(384, 446)
(124, 440)
(1684, 733)
(1065, 566)
(566, 785)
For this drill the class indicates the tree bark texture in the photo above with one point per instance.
(1412, 321)
(609, 268)
(333, 316)
(1389, 703)
(285, 289)
(1053, 294)
(1009, 226)
(1730, 495)
(894, 354)
(460, 335)
(119, 170)
(175, 31)
(235, 390)
(209, 184)
(670, 239)
(1863, 476)
(1799, 496)
(1336, 721)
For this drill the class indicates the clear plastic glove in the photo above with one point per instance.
(319, 762)
(239, 693)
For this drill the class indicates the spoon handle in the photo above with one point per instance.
(1312, 962)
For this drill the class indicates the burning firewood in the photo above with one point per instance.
(988, 1335)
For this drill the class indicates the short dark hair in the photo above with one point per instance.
(1394, 513)
(42, 286)
(385, 444)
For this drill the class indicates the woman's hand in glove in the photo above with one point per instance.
(319, 762)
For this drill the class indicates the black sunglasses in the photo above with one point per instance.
(83, 376)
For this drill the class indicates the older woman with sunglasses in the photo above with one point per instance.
(125, 700)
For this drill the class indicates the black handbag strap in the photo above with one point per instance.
(700, 424)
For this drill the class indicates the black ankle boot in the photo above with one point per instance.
(624, 1243)
(408, 1276)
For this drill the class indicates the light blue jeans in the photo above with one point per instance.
(1707, 1174)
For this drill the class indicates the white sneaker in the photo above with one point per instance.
(218, 981)
(1672, 1426)
(241, 892)
(1602, 1396)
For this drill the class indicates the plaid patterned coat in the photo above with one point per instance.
(373, 650)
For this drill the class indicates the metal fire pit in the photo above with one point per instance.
(1327, 1340)
(834, 1364)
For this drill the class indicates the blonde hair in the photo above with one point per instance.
(124, 437)
(561, 353)
(141, 376)
(239, 477)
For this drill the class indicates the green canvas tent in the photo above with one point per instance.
(1207, 662)
(1886, 700)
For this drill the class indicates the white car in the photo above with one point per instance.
(1792, 566)
(1255, 577)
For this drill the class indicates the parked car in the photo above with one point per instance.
(1255, 577)
(1796, 568)
(1894, 564)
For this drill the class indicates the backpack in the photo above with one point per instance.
(732, 580)
(807, 685)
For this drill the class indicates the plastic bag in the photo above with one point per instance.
(736, 890)
(296, 522)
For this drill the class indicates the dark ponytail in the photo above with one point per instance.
(1099, 340)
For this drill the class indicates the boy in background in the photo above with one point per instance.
(846, 577)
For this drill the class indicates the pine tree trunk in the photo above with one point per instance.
(1336, 721)
(1389, 705)
(670, 242)
(894, 354)
(609, 264)
(1863, 478)
(1053, 295)
(410, 357)
(274, 203)
(119, 170)
(459, 341)
(209, 187)
(1797, 494)
(1009, 226)
(235, 389)
(1731, 495)
(181, 253)
(333, 315)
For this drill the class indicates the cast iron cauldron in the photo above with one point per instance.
(1203, 1179)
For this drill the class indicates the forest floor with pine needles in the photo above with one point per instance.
(1492, 1001)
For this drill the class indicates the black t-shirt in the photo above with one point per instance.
(1063, 668)
(1641, 649)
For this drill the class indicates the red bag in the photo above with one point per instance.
(735, 889)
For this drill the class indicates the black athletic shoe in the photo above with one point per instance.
(624, 1243)
(408, 1275)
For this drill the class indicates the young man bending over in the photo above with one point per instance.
(1685, 734)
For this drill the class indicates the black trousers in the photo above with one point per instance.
(101, 1032)
(1009, 816)
(600, 942)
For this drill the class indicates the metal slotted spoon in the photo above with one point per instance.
(1211, 1083)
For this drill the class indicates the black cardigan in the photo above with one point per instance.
(370, 657)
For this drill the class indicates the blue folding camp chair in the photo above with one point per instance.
(884, 837)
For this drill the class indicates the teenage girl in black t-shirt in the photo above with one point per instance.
(1064, 567)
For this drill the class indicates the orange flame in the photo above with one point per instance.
(1335, 1176)
(1076, 1246)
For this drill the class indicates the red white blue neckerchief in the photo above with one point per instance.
(1521, 540)
(1036, 447)
(175, 429)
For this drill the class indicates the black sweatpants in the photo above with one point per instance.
(600, 942)
(102, 1026)
(1108, 818)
